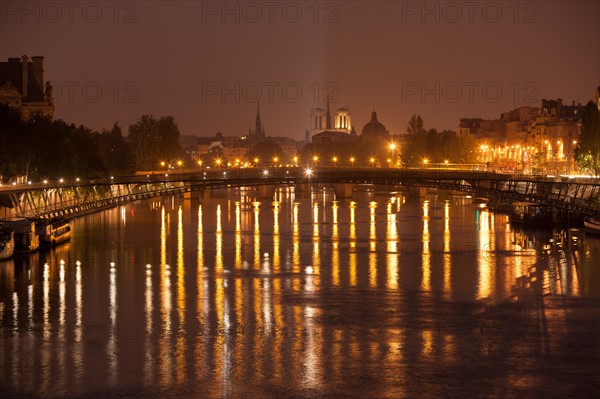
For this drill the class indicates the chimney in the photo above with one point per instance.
(24, 76)
(38, 71)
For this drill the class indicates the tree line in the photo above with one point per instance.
(436, 147)
(41, 148)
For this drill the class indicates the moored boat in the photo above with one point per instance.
(7, 243)
(53, 231)
(25, 235)
(531, 214)
(592, 225)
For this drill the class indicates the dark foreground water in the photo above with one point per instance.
(302, 298)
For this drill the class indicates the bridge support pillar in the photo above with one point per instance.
(343, 190)
(266, 191)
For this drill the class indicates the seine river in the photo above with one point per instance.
(378, 297)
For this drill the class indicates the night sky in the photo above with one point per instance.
(116, 61)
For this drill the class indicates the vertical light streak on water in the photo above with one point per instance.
(222, 310)
(78, 336)
(335, 254)
(219, 299)
(78, 301)
(113, 357)
(352, 250)
(312, 356)
(426, 254)
(61, 293)
(427, 337)
(447, 257)
(267, 311)
(392, 248)
(256, 235)
(573, 276)
(165, 346)
(219, 243)
(30, 305)
(483, 255)
(225, 340)
(30, 325)
(507, 262)
(276, 237)
(316, 255)
(123, 215)
(372, 245)
(238, 237)
(275, 284)
(62, 311)
(203, 303)
(16, 375)
(181, 344)
(239, 302)
(149, 361)
(296, 262)
(47, 332)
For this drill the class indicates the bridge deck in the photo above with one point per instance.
(42, 199)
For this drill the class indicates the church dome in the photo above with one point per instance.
(374, 128)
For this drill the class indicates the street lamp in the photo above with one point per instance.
(393, 148)
(425, 161)
(295, 159)
(352, 160)
(334, 160)
(372, 161)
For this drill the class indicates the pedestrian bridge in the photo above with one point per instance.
(72, 198)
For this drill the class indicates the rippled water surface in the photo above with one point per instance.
(223, 296)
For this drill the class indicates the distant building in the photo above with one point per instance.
(529, 138)
(320, 120)
(329, 136)
(234, 148)
(374, 130)
(22, 86)
(258, 133)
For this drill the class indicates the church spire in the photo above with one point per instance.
(258, 129)
(328, 117)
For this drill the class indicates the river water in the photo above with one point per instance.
(378, 297)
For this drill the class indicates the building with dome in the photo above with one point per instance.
(374, 130)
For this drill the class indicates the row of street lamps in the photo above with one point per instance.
(315, 159)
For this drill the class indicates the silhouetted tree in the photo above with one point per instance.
(415, 125)
(154, 140)
(265, 151)
(39, 147)
(436, 147)
(587, 152)
(115, 151)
